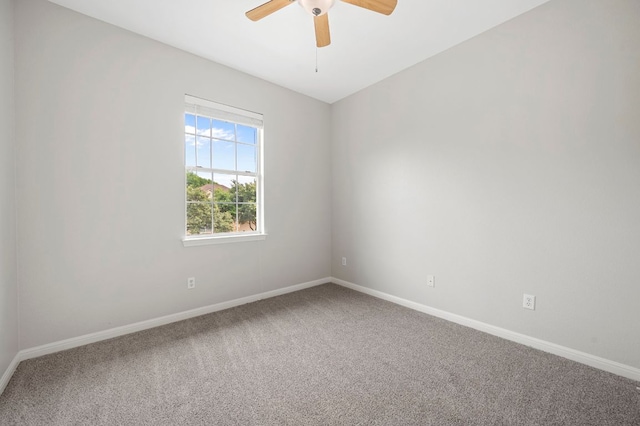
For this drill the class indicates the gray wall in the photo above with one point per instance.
(508, 164)
(101, 179)
(8, 274)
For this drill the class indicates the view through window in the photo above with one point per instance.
(223, 177)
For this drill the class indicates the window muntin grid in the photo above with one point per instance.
(223, 185)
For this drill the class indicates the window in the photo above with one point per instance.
(223, 152)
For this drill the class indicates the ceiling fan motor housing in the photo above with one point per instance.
(317, 7)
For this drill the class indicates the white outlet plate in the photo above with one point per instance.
(344, 261)
(431, 280)
(529, 302)
(191, 282)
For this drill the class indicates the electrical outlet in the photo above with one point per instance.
(529, 302)
(344, 261)
(191, 283)
(431, 280)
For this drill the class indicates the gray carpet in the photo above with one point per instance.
(322, 356)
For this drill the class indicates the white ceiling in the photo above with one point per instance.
(366, 47)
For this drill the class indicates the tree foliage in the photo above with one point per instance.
(198, 211)
(223, 196)
(222, 221)
(237, 202)
(195, 181)
(199, 214)
(246, 193)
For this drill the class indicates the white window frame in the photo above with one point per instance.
(203, 107)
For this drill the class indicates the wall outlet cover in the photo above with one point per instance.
(529, 302)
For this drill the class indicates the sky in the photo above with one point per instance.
(216, 144)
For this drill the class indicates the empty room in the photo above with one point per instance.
(320, 212)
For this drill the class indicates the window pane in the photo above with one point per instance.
(204, 152)
(224, 130)
(247, 158)
(246, 189)
(225, 183)
(189, 150)
(224, 155)
(190, 123)
(247, 217)
(224, 215)
(204, 126)
(198, 218)
(247, 134)
(223, 194)
(199, 186)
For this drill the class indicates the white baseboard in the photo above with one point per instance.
(572, 354)
(4, 381)
(74, 342)
(584, 358)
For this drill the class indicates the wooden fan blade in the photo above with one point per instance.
(381, 6)
(267, 9)
(323, 38)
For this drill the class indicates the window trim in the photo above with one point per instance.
(222, 239)
(196, 106)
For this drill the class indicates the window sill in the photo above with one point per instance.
(205, 241)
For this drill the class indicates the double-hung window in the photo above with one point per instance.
(223, 153)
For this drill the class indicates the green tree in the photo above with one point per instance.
(198, 211)
(222, 221)
(199, 214)
(195, 181)
(246, 193)
(223, 196)
(225, 200)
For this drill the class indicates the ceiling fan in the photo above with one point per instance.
(318, 9)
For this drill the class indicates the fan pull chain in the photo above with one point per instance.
(316, 59)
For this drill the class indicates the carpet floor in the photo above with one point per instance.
(322, 356)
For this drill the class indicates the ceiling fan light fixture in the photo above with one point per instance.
(316, 7)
